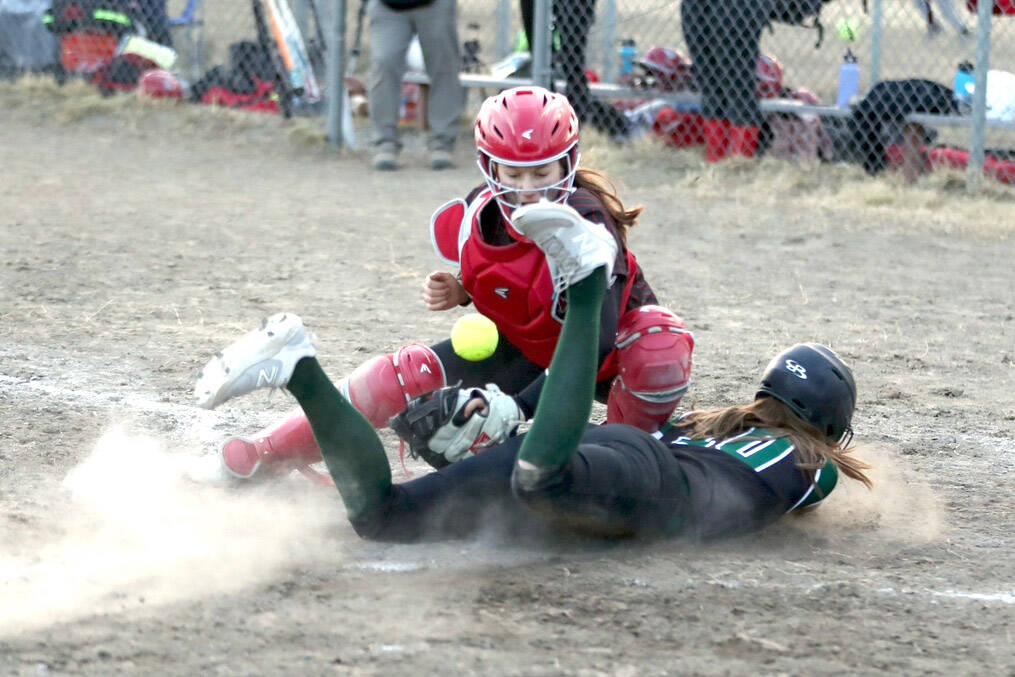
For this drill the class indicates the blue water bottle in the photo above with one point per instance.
(628, 52)
(849, 80)
(964, 84)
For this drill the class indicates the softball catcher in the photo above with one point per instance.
(527, 147)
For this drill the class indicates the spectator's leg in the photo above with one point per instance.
(390, 34)
(573, 19)
(947, 9)
(742, 39)
(700, 33)
(438, 37)
(156, 20)
(528, 11)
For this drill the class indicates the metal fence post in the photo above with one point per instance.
(502, 44)
(300, 13)
(978, 130)
(335, 81)
(609, 35)
(542, 44)
(877, 20)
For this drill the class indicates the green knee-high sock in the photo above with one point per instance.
(566, 401)
(351, 448)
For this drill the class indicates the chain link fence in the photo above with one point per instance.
(822, 88)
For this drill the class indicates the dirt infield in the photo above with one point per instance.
(136, 240)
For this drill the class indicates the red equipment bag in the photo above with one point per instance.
(679, 130)
(86, 52)
(1000, 7)
(121, 74)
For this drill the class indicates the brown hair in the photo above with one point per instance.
(812, 448)
(600, 186)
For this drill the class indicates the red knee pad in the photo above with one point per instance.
(653, 368)
(381, 387)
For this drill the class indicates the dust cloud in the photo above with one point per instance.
(137, 533)
(899, 507)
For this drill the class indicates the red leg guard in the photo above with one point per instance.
(654, 368)
(716, 133)
(381, 387)
(378, 388)
(284, 445)
(743, 141)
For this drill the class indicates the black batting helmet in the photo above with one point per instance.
(816, 385)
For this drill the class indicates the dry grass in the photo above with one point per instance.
(939, 200)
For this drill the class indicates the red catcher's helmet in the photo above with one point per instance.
(769, 74)
(665, 68)
(526, 127)
(159, 84)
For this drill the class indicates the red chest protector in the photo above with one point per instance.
(509, 284)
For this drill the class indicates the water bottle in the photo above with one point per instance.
(849, 80)
(521, 42)
(964, 84)
(628, 52)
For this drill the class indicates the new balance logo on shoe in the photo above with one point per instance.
(265, 378)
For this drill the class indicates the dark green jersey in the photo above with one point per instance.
(771, 458)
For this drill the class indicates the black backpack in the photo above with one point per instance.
(249, 66)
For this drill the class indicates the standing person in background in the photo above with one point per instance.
(392, 25)
(572, 20)
(946, 9)
(156, 20)
(724, 39)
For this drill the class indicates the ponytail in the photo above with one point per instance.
(597, 184)
(812, 448)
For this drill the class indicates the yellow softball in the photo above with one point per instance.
(474, 337)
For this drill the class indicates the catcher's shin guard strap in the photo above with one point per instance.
(351, 449)
(566, 401)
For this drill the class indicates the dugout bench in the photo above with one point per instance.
(689, 102)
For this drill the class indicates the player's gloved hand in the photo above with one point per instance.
(447, 425)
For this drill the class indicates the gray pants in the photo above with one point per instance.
(390, 34)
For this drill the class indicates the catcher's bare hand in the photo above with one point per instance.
(443, 291)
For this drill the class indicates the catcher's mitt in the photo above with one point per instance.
(437, 430)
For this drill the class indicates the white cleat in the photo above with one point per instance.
(574, 246)
(264, 358)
